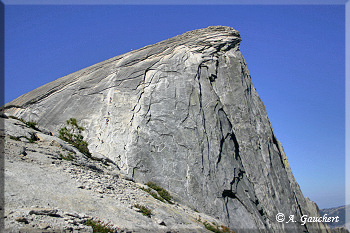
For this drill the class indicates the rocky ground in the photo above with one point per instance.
(51, 187)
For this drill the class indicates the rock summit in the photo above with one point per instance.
(182, 113)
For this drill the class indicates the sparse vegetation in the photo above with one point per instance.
(32, 138)
(30, 124)
(153, 194)
(144, 210)
(215, 228)
(225, 229)
(72, 134)
(15, 138)
(163, 194)
(100, 226)
(156, 196)
(211, 227)
(166, 195)
(69, 157)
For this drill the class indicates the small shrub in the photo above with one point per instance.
(162, 192)
(144, 210)
(214, 228)
(15, 138)
(211, 227)
(72, 134)
(69, 157)
(153, 194)
(166, 195)
(32, 124)
(153, 185)
(225, 229)
(100, 227)
(32, 138)
(156, 196)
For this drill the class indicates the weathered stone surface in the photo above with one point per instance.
(22, 219)
(43, 192)
(44, 211)
(182, 113)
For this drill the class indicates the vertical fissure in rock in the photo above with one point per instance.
(198, 77)
(300, 210)
(226, 209)
(233, 136)
(238, 173)
(222, 140)
(274, 140)
(225, 132)
(141, 92)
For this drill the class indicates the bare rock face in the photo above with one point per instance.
(184, 114)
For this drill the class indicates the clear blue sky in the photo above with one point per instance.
(295, 54)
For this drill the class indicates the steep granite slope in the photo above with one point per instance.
(183, 113)
(51, 187)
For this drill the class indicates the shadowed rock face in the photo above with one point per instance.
(182, 113)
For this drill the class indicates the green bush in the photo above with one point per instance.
(144, 210)
(100, 227)
(166, 195)
(162, 192)
(72, 134)
(69, 157)
(225, 229)
(214, 228)
(156, 196)
(30, 124)
(153, 194)
(211, 227)
(15, 138)
(32, 138)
